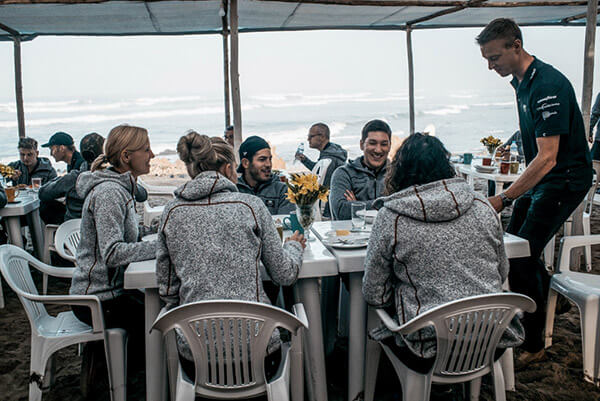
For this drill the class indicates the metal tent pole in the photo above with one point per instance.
(411, 80)
(588, 64)
(226, 66)
(235, 75)
(19, 86)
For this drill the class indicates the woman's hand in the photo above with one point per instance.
(296, 236)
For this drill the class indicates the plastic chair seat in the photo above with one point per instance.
(64, 324)
(577, 285)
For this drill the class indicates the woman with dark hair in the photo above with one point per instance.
(434, 240)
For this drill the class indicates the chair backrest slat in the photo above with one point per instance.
(245, 329)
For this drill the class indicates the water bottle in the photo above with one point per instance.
(300, 150)
(514, 152)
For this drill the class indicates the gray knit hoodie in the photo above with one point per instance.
(211, 241)
(109, 234)
(432, 244)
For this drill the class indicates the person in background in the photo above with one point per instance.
(110, 240)
(231, 229)
(559, 166)
(30, 165)
(257, 178)
(594, 117)
(318, 138)
(228, 135)
(362, 179)
(3, 199)
(62, 148)
(445, 234)
(64, 186)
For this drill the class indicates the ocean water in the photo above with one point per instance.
(460, 120)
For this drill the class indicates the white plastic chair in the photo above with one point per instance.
(52, 333)
(66, 239)
(320, 169)
(151, 212)
(584, 290)
(468, 331)
(228, 340)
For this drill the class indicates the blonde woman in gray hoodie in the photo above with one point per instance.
(109, 234)
(212, 238)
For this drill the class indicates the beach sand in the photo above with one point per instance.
(559, 377)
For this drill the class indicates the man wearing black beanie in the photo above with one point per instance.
(257, 179)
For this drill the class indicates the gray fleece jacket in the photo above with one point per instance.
(432, 244)
(109, 234)
(273, 193)
(65, 186)
(366, 184)
(211, 241)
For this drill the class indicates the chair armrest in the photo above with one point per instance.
(387, 320)
(91, 301)
(570, 242)
(416, 323)
(298, 310)
(63, 272)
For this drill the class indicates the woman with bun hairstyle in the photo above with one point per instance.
(109, 231)
(212, 238)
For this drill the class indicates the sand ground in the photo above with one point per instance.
(559, 377)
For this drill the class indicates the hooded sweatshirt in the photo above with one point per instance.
(109, 234)
(43, 169)
(211, 241)
(65, 186)
(272, 192)
(366, 184)
(432, 244)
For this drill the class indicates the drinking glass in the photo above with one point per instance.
(36, 183)
(358, 215)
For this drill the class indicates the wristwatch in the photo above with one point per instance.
(506, 201)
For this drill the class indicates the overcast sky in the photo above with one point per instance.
(316, 62)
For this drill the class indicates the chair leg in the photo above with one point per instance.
(588, 248)
(371, 367)
(115, 346)
(499, 392)
(45, 283)
(548, 253)
(507, 362)
(550, 310)
(474, 389)
(590, 339)
(415, 386)
(37, 369)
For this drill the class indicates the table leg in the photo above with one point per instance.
(499, 187)
(156, 385)
(13, 225)
(357, 337)
(314, 352)
(37, 235)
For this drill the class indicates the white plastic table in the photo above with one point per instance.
(352, 261)
(500, 179)
(317, 262)
(28, 205)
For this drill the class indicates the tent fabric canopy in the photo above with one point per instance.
(181, 17)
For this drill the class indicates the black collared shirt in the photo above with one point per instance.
(547, 106)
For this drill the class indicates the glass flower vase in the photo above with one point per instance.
(306, 217)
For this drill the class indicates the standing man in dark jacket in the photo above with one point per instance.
(318, 138)
(62, 148)
(30, 164)
(594, 117)
(362, 179)
(559, 167)
(257, 178)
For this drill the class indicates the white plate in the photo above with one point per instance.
(485, 169)
(369, 215)
(356, 240)
(353, 245)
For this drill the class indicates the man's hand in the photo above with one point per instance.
(300, 156)
(496, 203)
(16, 175)
(349, 195)
(296, 236)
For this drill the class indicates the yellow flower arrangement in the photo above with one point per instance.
(6, 171)
(304, 189)
(491, 143)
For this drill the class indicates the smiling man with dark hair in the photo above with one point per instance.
(559, 167)
(362, 179)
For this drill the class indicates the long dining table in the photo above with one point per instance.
(317, 262)
(352, 261)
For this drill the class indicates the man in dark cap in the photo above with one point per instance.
(30, 165)
(62, 148)
(55, 212)
(257, 179)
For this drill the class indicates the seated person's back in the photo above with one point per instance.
(435, 240)
(212, 238)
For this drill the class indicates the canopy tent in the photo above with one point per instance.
(177, 17)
